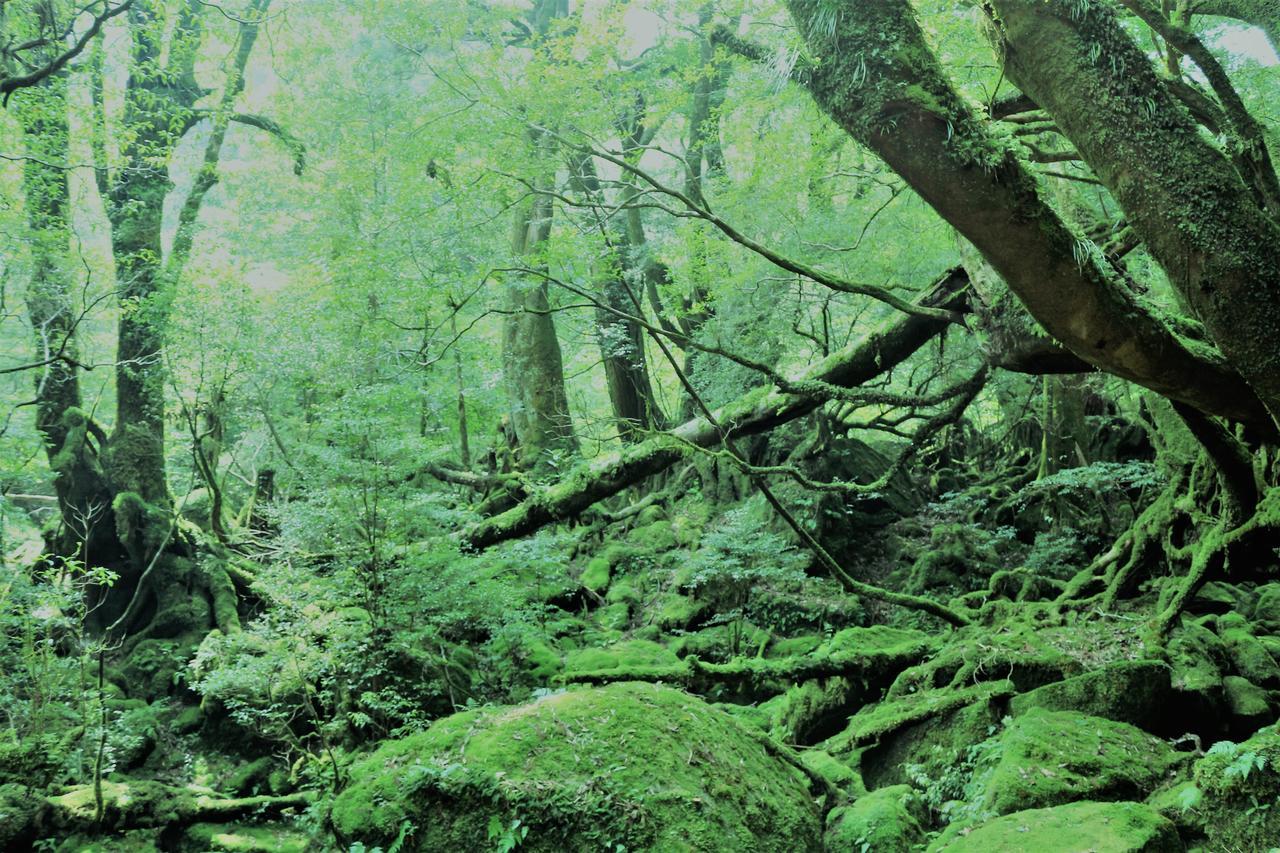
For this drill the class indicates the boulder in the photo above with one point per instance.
(1071, 828)
(634, 766)
(1249, 657)
(1135, 692)
(886, 821)
(1045, 758)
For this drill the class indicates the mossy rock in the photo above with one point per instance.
(654, 538)
(637, 765)
(1046, 758)
(1248, 703)
(888, 820)
(624, 655)
(245, 838)
(1197, 657)
(153, 666)
(1266, 608)
(722, 642)
(129, 803)
(1218, 597)
(595, 576)
(838, 773)
(1249, 657)
(249, 778)
(793, 646)
(1072, 828)
(542, 662)
(1228, 786)
(19, 805)
(677, 612)
(930, 735)
(1135, 692)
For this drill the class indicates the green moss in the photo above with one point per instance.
(248, 777)
(623, 592)
(1134, 692)
(793, 646)
(595, 576)
(1096, 827)
(222, 596)
(838, 773)
(1197, 657)
(678, 612)
(1266, 608)
(654, 538)
(624, 655)
(883, 719)
(1250, 658)
(886, 819)
(1246, 700)
(1231, 781)
(615, 617)
(1045, 758)
(636, 765)
(244, 838)
(18, 807)
(136, 802)
(188, 719)
(542, 661)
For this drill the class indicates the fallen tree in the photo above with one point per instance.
(755, 412)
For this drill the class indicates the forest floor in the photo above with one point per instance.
(663, 715)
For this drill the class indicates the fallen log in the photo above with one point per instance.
(755, 412)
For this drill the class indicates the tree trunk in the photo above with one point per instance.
(1179, 192)
(877, 78)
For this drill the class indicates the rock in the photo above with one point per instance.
(928, 732)
(1247, 702)
(1250, 658)
(18, 807)
(245, 838)
(886, 821)
(1217, 597)
(624, 655)
(595, 576)
(250, 778)
(1197, 657)
(1135, 692)
(1046, 758)
(1071, 828)
(1231, 782)
(1266, 610)
(633, 765)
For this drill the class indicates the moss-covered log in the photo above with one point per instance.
(753, 413)
(870, 665)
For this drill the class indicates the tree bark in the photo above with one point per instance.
(877, 78)
(1180, 193)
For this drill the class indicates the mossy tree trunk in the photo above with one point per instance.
(878, 79)
(532, 363)
(1195, 212)
(85, 531)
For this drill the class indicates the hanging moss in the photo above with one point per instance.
(636, 765)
